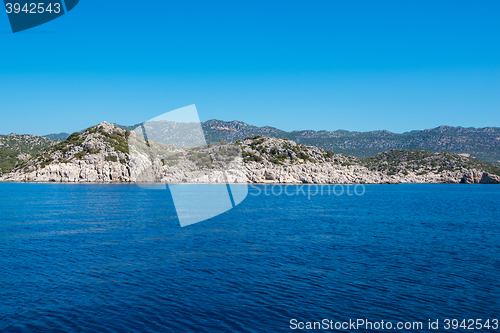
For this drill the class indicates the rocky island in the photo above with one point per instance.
(103, 154)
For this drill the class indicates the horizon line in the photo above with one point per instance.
(292, 131)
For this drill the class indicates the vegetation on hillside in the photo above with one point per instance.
(13, 146)
(57, 136)
(256, 148)
(25, 143)
(8, 160)
(77, 146)
(483, 143)
(285, 151)
(422, 162)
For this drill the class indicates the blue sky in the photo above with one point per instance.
(355, 65)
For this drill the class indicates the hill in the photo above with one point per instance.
(107, 153)
(99, 154)
(284, 160)
(423, 162)
(483, 143)
(57, 136)
(15, 148)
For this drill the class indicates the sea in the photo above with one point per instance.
(114, 258)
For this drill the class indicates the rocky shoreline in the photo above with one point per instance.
(306, 174)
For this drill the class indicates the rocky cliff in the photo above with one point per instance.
(106, 153)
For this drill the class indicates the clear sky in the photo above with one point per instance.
(355, 65)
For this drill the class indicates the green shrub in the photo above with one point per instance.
(255, 143)
(248, 156)
(303, 156)
(117, 140)
(46, 162)
(257, 158)
(91, 130)
(80, 154)
(73, 137)
(122, 148)
(282, 156)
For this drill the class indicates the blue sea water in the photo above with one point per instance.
(113, 258)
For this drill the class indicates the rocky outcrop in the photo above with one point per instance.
(478, 177)
(490, 179)
(108, 154)
(313, 173)
(456, 177)
(78, 171)
(94, 156)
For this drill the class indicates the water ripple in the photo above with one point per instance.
(112, 258)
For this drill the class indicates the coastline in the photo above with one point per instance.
(107, 154)
(251, 173)
(233, 184)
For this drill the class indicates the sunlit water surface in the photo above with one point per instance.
(113, 258)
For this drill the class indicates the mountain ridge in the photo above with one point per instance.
(483, 143)
(107, 153)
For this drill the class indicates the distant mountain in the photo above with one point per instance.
(230, 131)
(482, 143)
(57, 136)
